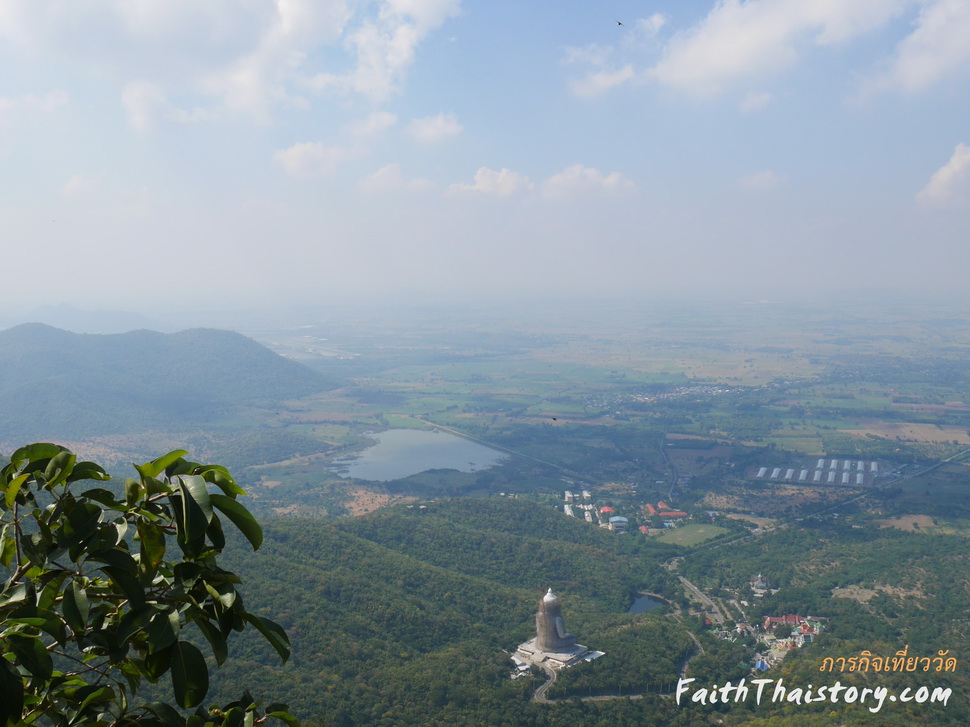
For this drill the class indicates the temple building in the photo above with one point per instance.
(553, 646)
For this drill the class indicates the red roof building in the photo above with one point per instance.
(673, 513)
(788, 620)
(651, 509)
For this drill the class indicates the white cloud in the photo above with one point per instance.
(603, 75)
(313, 159)
(593, 54)
(939, 45)
(598, 82)
(385, 46)
(740, 40)
(374, 124)
(754, 101)
(951, 182)
(146, 104)
(78, 186)
(434, 128)
(652, 25)
(245, 57)
(10, 108)
(502, 183)
(390, 178)
(759, 181)
(578, 179)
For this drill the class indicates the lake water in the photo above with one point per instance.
(642, 604)
(404, 452)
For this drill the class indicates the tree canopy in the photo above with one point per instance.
(96, 601)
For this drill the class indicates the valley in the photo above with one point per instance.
(688, 456)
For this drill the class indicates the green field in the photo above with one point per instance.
(691, 535)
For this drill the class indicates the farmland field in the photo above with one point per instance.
(690, 535)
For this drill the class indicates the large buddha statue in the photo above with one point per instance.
(551, 635)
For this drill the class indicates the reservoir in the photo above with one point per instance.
(644, 603)
(404, 452)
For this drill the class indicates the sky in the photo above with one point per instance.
(240, 153)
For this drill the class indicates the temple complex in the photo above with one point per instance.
(552, 645)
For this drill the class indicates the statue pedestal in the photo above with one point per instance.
(531, 653)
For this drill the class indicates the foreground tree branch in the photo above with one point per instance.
(90, 577)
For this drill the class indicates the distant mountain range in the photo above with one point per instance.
(59, 384)
(78, 320)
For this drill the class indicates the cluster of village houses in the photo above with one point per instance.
(779, 635)
(606, 517)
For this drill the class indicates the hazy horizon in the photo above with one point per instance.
(224, 156)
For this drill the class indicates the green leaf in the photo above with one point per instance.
(11, 694)
(13, 594)
(8, 547)
(50, 584)
(216, 640)
(166, 713)
(191, 519)
(92, 695)
(285, 717)
(105, 497)
(186, 574)
(117, 558)
(215, 534)
(152, 539)
(36, 451)
(133, 491)
(273, 633)
(89, 471)
(197, 489)
(75, 607)
(131, 623)
(127, 584)
(157, 466)
(59, 468)
(240, 517)
(220, 477)
(190, 676)
(158, 662)
(13, 489)
(40, 618)
(82, 522)
(163, 630)
(32, 655)
(156, 487)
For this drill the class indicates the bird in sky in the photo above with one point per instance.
(618, 22)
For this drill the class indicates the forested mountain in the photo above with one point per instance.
(59, 384)
(406, 616)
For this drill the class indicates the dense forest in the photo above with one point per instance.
(409, 616)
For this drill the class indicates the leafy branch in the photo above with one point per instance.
(91, 579)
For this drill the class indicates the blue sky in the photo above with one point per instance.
(177, 153)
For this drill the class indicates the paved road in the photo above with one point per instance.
(540, 695)
(703, 598)
(699, 652)
(541, 698)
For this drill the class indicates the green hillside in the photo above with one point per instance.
(59, 384)
(405, 617)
